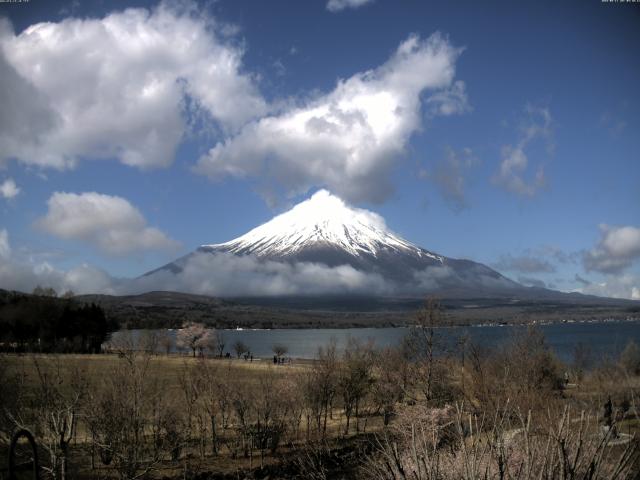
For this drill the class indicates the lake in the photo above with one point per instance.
(605, 339)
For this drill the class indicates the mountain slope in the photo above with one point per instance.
(323, 220)
(324, 230)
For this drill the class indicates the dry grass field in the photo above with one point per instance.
(174, 379)
(391, 414)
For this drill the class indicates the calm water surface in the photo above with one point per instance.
(605, 339)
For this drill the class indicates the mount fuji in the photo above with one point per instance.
(324, 231)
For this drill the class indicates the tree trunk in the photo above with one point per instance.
(348, 415)
(63, 467)
(324, 427)
(214, 436)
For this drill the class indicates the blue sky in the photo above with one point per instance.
(514, 144)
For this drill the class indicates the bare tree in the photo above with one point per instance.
(220, 342)
(165, 341)
(149, 341)
(59, 399)
(291, 383)
(191, 388)
(270, 410)
(240, 348)
(241, 401)
(12, 395)
(319, 387)
(524, 372)
(209, 398)
(132, 423)
(279, 350)
(391, 378)
(425, 342)
(562, 447)
(355, 378)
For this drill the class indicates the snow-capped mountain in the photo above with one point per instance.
(325, 230)
(323, 221)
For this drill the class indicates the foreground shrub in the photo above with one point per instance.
(448, 444)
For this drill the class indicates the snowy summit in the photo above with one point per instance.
(322, 220)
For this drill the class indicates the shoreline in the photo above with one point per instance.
(332, 326)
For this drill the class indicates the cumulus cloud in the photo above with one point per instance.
(24, 274)
(339, 5)
(616, 250)
(25, 116)
(450, 176)
(110, 223)
(117, 86)
(350, 138)
(218, 274)
(523, 264)
(24, 277)
(9, 189)
(223, 274)
(619, 286)
(536, 126)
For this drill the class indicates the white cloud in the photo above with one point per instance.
(25, 116)
(110, 223)
(616, 250)
(116, 86)
(619, 286)
(348, 139)
(24, 277)
(9, 189)
(203, 273)
(339, 5)
(537, 125)
(223, 274)
(24, 274)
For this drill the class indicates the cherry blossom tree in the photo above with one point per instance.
(193, 336)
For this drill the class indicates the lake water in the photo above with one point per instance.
(604, 339)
